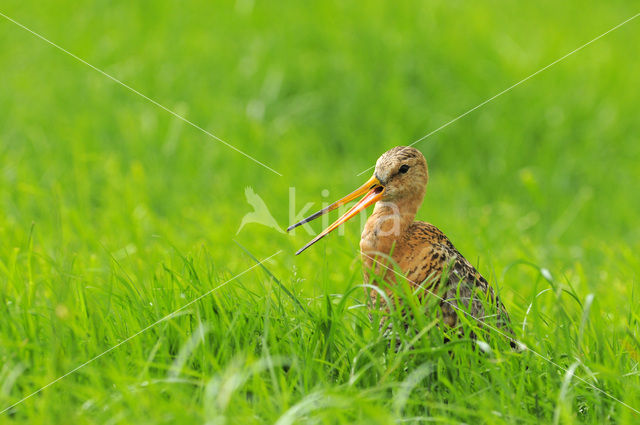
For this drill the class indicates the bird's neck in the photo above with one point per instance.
(388, 223)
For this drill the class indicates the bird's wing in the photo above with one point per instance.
(438, 262)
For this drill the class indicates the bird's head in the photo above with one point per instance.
(400, 173)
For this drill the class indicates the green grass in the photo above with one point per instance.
(114, 214)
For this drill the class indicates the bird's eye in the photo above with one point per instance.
(403, 169)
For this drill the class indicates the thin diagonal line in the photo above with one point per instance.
(517, 342)
(114, 79)
(516, 84)
(167, 317)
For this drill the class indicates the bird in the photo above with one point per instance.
(422, 252)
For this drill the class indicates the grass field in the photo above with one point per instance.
(114, 213)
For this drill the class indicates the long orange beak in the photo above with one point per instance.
(373, 190)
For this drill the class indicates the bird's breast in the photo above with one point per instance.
(416, 252)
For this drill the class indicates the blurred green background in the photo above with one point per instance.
(97, 182)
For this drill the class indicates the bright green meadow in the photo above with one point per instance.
(119, 222)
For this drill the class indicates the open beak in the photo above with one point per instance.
(372, 190)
